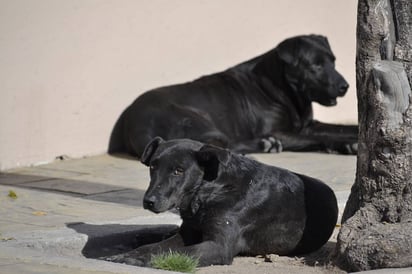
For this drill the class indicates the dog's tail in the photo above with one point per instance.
(116, 142)
(321, 215)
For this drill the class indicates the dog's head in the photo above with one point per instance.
(177, 170)
(309, 68)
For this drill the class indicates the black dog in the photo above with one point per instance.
(261, 105)
(231, 205)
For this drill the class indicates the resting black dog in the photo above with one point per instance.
(231, 205)
(261, 105)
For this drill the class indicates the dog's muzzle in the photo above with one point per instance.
(342, 88)
(149, 202)
(155, 204)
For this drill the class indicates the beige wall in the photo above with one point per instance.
(68, 68)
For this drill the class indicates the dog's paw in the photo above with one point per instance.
(125, 259)
(271, 145)
(351, 148)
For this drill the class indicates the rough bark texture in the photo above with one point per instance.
(377, 221)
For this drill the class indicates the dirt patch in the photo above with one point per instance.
(282, 265)
(314, 263)
(275, 264)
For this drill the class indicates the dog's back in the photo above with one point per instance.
(321, 215)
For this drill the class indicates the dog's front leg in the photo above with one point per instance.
(209, 253)
(142, 256)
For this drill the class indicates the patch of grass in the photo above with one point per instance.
(174, 261)
(12, 194)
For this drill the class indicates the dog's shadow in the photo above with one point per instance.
(112, 239)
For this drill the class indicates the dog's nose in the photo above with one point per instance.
(149, 202)
(343, 87)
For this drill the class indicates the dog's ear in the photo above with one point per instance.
(210, 158)
(287, 51)
(150, 149)
(323, 41)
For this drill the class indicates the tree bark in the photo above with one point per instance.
(377, 221)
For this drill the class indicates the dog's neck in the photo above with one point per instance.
(189, 202)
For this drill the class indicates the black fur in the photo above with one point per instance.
(231, 205)
(262, 105)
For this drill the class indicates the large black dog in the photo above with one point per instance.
(261, 105)
(231, 205)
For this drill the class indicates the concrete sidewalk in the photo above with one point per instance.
(70, 209)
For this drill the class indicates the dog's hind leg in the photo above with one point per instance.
(333, 131)
(321, 215)
(197, 125)
(303, 142)
(175, 122)
(136, 141)
(214, 137)
(294, 142)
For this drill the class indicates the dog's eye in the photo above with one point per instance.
(152, 167)
(178, 171)
(316, 67)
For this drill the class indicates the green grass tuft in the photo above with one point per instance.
(12, 194)
(174, 261)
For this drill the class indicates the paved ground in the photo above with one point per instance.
(52, 216)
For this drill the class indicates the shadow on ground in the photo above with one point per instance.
(112, 239)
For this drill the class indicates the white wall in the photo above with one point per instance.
(68, 68)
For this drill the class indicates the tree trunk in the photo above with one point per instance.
(377, 221)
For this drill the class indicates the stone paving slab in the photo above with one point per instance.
(72, 186)
(34, 210)
(47, 172)
(132, 197)
(12, 178)
(105, 169)
(90, 190)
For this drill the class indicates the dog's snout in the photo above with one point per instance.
(343, 87)
(149, 202)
